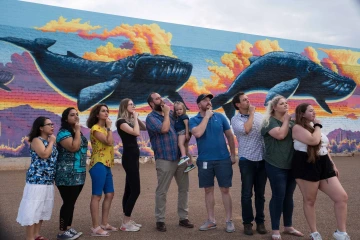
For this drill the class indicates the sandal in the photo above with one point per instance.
(294, 233)
(109, 228)
(276, 237)
(41, 238)
(95, 232)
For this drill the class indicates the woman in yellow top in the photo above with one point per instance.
(102, 159)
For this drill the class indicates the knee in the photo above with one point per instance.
(309, 201)
(225, 191)
(209, 190)
(343, 198)
(109, 196)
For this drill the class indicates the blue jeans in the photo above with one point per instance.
(283, 186)
(253, 174)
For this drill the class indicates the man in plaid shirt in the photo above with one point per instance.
(246, 125)
(163, 138)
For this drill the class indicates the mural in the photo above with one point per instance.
(59, 59)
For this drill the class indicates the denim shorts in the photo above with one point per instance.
(102, 179)
(221, 169)
(181, 132)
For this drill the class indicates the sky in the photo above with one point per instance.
(329, 22)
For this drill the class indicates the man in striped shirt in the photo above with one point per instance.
(246, 125)
(160, 126)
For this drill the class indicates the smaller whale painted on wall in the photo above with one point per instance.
(5, 78)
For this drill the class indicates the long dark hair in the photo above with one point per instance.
(312, 151)
(93, 119)
(64, 123)
(35, 129)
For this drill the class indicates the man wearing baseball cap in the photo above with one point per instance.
(213, 159)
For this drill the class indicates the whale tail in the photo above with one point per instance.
(30, 45)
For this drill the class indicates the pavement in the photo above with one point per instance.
(12, 185)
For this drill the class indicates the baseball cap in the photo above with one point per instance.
(202, 96)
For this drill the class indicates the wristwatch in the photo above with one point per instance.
(108, 129)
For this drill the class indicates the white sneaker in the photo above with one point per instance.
(129, 227)
(315, 236)
(136, 224)
(338, 236)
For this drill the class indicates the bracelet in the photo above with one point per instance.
(317, 124)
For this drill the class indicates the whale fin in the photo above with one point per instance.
(71, 54)
(323, 105)
(44, 42)
(94, 94)
(175, 96)
(4, 87)
(253, 59)
(229, 110)
(285, 89)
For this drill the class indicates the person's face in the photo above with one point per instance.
(281, 106)
(244, 103)
(205, 104)
(130, 107)
(309, 114)
(103, 114)
(73, 117)
(179, 109)
(48, 127)
(156, 102)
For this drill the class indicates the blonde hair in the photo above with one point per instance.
(124, 113)
(182, 105)
(270, 109)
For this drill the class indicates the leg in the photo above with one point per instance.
(224, 174)
(165, 172)
(94, 209)
(247, 172)
(226, 197)
(332, 187)
(182, 180)
(37, 227)
(309, 191)
(187, 151)
(210, 203)
(259, 189)
(181, 144)
(30, 230)
(109, 195)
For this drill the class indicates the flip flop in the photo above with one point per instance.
(109, 228)
(95, 232)
(41, 238)
(294, 233)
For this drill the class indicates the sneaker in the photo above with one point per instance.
(315, 236)
(230, 226)
(248, 229)
(189, 168)
(340, 236)
(136, 224)
(129, 227)
(66, 235)
(207, 226)
(183, 160)
(75, 233)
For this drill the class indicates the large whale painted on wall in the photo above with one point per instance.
(287, 74)
(91, 82)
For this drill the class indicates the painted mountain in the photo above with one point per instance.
(344, 141)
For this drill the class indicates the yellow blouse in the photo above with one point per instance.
(100, 151)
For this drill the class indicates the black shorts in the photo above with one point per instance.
(321, 169)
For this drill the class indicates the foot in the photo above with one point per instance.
(76, 233)
(99, 232)
(248, 229)
(183, 160)
(260, 228)
(315, 236)
(341, 236)
(129, 227)
(186, 223)
(292, 231)
(136, 224)
(207, 226)
(109, 228)
(230, 227)
(65, 235)
(160, 226)
(189, 168)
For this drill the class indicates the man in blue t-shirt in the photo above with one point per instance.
(213, 159)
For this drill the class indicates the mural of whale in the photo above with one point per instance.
(287, 74)
(5, 78)
(90, 82)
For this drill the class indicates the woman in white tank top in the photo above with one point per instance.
(314, 169)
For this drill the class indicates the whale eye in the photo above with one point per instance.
(130, 65)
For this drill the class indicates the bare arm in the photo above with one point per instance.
(72, 144)
(249, 123)
(166, 123)
(105, 139)
(230, 138)
(199, 130)
(142, 125)
(133, 131)
(38, 146)
(303, 135)
(280, 133)
(187, 135)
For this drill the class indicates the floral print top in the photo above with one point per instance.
(100, 152)
(42, 171)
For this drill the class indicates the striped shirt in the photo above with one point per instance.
(164, 145)
(251, 145)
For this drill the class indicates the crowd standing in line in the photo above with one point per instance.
(271, 146)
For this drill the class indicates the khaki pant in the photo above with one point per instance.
(166, 170)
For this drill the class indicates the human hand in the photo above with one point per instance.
(251, 109)
(108, 123)
(52, 138)
(187, 136)
(209, 113)
(77, 126)
(135, 114)
(165, 108)
(233, 160)
(316, 121)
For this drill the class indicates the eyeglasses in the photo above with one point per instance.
(49, 124)
(131, 104)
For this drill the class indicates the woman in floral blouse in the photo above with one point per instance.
(102, 159)
(38, 197)
(70, 169)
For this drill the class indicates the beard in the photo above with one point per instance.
(204, 108)
(157, 107)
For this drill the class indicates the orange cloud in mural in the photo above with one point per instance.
(329, 64)
(311, 53)
(108, 53)
(265, 46)
(346, 61)
(61, 25)
(352, 116)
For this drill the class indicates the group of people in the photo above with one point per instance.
(271, 147)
